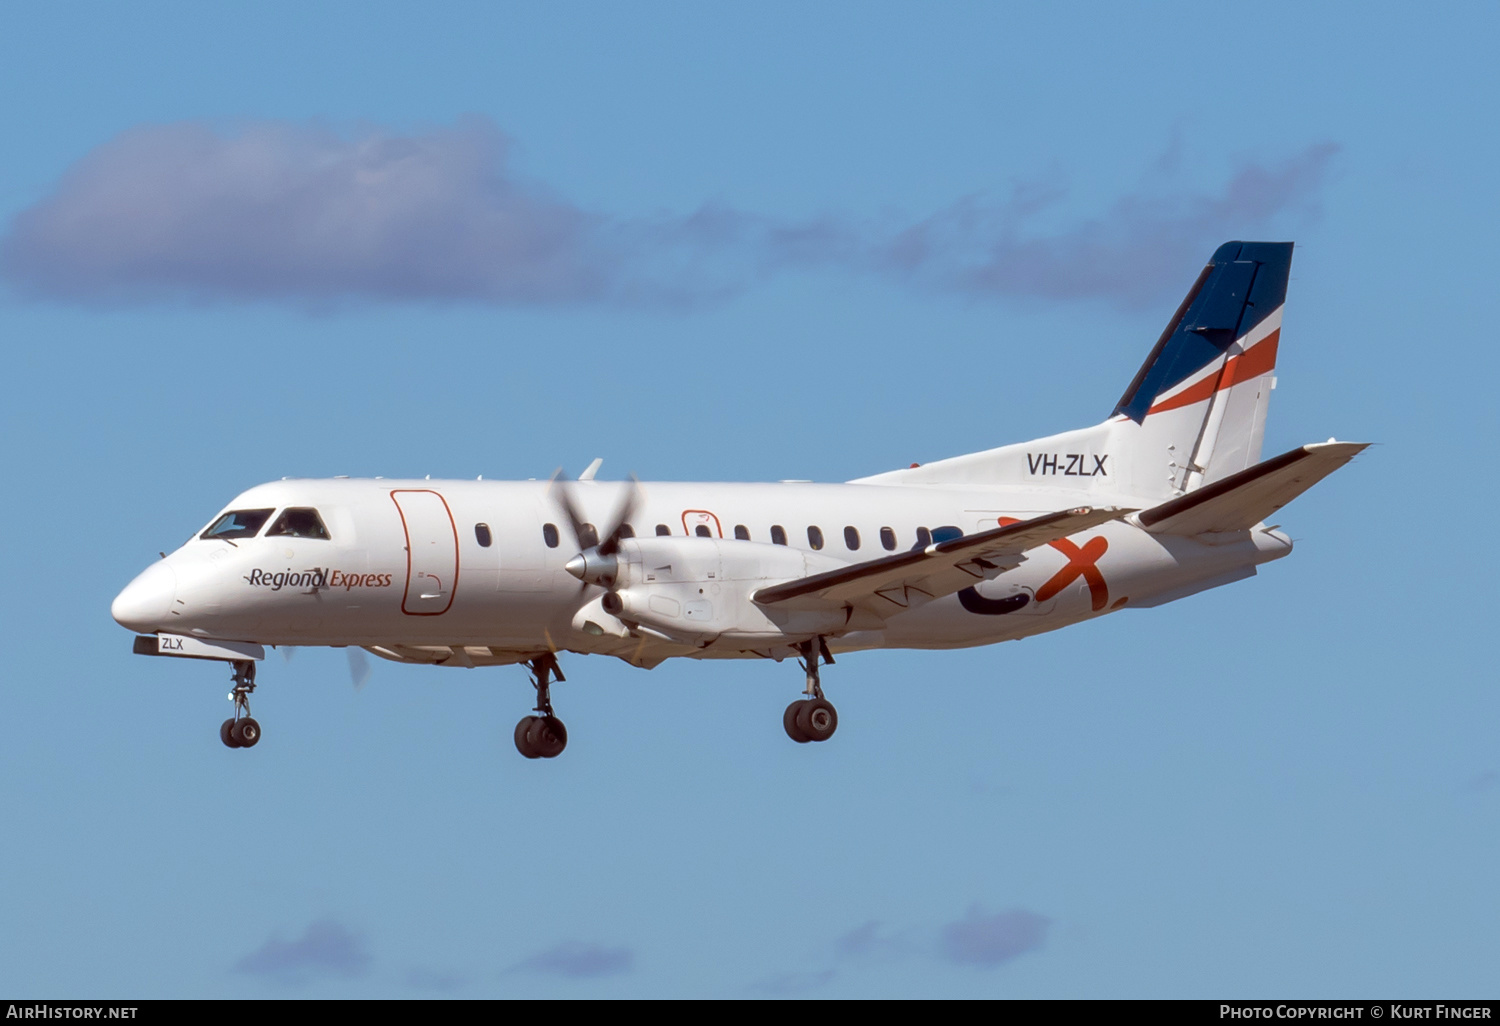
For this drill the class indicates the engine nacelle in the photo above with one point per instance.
(698, 589)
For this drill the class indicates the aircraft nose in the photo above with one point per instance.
(144, 603)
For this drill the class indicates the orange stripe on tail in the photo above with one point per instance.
(1253, 362)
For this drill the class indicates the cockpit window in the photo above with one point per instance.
(238, 523)
(299, 523)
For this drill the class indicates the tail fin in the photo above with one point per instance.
(1203, 392)
(1195, 413)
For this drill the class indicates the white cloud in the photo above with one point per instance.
(298, 212)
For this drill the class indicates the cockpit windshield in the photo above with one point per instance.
(299, 523)
(238, 523)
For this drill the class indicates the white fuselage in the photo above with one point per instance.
(405, 570)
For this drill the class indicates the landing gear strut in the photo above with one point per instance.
(542, 736)
(812, 718)
(240, 731)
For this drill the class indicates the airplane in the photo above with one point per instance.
(1165, 498)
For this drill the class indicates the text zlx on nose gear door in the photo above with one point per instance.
(431, 551)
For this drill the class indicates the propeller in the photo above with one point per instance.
(359, 663)
(359, 667)
(595, 562)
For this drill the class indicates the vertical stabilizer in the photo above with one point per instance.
(1195, 413)
(1202, 394)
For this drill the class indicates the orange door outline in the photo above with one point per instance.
(406, 531)
(687, 529)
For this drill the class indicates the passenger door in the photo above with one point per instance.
(431, 551)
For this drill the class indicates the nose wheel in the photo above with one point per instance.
(542, 736)
(812, 718)
(240, 731)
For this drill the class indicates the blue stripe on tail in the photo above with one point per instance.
(1243, 284)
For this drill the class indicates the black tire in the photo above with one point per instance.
(548, 736)
(818, 719)
(789, 721)
(246, 732)
(226, 734)
(523, 738)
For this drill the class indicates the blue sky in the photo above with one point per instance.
(1285, 787)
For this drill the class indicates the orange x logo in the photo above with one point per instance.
(1081, 563)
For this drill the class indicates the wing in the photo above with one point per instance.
(885, 586)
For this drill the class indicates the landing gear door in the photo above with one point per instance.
(431, 552)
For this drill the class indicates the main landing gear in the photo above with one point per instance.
(812, 718)
(241, 731)
(543, 736)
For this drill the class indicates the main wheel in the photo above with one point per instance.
(818, 719)
(246, 732)
(523, 738)
(789, 721)
(548, 736)
(226, 734)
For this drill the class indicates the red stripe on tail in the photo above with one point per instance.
(1253, 362)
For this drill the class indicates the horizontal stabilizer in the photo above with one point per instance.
(1240, 501)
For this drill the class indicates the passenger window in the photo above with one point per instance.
(588, 536)
(888, 539)
(299, 523)
(815, 537)
(924, 538)
(626, 531)
(742, 532)
(851, 538)
(946, 533)
(482, 535)
(778, 534)
(549, 535)
(662, 530)
(240, 523)
(702, 531)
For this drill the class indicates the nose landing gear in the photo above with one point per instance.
(240, 731)
(812, 718)
(543, 736)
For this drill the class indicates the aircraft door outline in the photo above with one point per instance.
(692, 518)
(431, 551)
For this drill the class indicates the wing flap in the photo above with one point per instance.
(1242, 500)
(939, 569)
